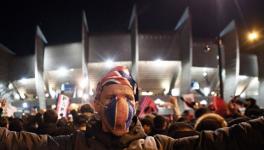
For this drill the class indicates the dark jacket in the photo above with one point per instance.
(247, 135)
(52, 130)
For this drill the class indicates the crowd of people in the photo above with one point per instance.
(111, 122)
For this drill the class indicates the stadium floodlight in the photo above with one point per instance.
(25, 105)
(62, 70)
(109, 63)
(253, 36)
(23, 80)
(146, 93)
(206, 91)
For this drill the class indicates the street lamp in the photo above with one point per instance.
(253, 36)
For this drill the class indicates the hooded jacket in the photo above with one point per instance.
(246, 135)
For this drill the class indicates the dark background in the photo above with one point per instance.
(60, 20)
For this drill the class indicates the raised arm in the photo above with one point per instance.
(246, 135)
(22, 140)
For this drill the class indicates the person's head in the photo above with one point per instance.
(80, 122)
(181, 129)
(4, 122)
(188, 115)
(115, 99)
(147, 125)
(16, 125)
(201, 111)
(251, 101)
(159, 122)
(50, 116)
(86, 108)
(210, 121)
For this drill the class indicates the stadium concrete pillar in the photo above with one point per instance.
(85, 56)
(260, 100)
(231, 62)
(184, 31)
(40, 42)
(133, 27)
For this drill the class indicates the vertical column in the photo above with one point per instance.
(40, 42)
(184, 31)
(230, 60)
(133, 26)
(85, 54)
(261, 79)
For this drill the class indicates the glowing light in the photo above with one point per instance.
(213, 93)
(47, 95)
(242, 77)
(109, 63)
(203, 102)
(23, 80)
(205, 74)
(83, 83)
(159, 102)
(243, 95)
(16, 96)
(25, 105)
(253, 36)
(62, 71)
(175, 92)
(146, 93)
(91, 93)
(10, 86)
(158, 61)
(71, 69)
(206, 91)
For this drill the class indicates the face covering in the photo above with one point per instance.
(119, 112)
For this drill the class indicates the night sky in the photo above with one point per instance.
(60, 21)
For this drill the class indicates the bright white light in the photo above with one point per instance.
(109, 63)
(203, 102)
(10, 86)
(1, 85)
(213, 93)
(47, 95)
(83, 83)
(146, 93)
(159, 102)
(53, 106)
(252, 36)
(23, 80)
(25, 105)
(243, 95)
(205, 74)
(22, 96)
(175, 92)
(62, 71)
(91, 93)
(158, 61)
(206, 91)
(16, 96)
(242, 77)
(71, 69)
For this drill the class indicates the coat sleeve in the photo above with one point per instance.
(10, 140)
(246, 135)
